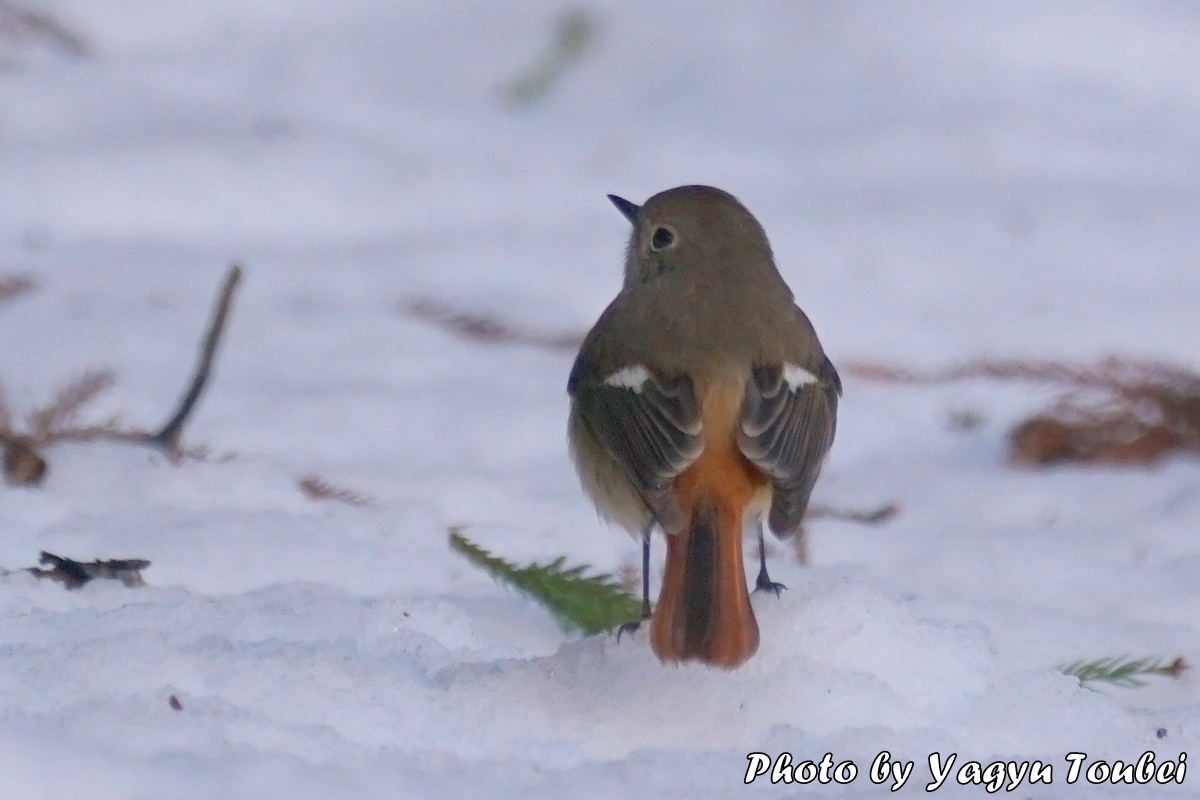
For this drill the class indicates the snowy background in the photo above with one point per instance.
(941, 181)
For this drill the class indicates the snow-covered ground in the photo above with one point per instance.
(941, 181)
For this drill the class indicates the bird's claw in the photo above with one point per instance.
(765, 584)
(628, 627)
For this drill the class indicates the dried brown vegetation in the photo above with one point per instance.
(59, 420)
(574, 32)
(24, 25)
(869, 516)
(60, 415)
(74, 574)
(486, 329)
(872, 516)
(1118, 411)
(314, 487)
(12, 286)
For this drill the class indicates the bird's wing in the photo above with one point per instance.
(788, 421)
(648, 423)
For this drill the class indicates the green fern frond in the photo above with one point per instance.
(579, 602)
(1123, 670)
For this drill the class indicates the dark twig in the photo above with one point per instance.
(870, 516)
(874, 516)
(74, 574)
(482, 328)
(56, 422)
(314, 487)
(26, 23)
(168, 437)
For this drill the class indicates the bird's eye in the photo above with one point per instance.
(662, 239)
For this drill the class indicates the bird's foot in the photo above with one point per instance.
(632, 627)
(629, 628)
(765, 584)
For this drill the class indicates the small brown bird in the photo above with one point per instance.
(700, 400)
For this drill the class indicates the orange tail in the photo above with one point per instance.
(703, 610)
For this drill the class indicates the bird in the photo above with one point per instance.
(700, 402)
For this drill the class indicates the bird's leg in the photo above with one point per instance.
(630, 627)
(764, 582)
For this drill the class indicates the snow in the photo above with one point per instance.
(940, 182)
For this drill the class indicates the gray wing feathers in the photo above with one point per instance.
(653, 432)
(786, 433)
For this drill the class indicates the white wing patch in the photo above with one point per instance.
(795, 376)
(632, 377)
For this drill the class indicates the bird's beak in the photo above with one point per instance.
(630, 210)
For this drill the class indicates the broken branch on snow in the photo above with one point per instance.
(1118, 411)
(23, 465)
(73, 574)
